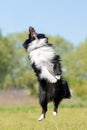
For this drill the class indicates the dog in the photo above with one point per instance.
(47, 67)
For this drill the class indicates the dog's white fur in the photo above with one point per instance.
(41, 54)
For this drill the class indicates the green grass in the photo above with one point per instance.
(25, 118)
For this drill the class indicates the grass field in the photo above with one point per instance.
(25, 118)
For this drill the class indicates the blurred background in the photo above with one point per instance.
(64, 23)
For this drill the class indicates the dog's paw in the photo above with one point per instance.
(41, 117)
(58, 77)
(53, 80)
(54, 113)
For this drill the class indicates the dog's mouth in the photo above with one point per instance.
(32, 32)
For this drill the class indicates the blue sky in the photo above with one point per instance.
(67, 18)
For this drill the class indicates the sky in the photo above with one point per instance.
(65, 18)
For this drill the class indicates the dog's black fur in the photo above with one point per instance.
(48, 91)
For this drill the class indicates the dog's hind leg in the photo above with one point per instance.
(56, 102)
(55, 108)
(43, 103)
(44, 110)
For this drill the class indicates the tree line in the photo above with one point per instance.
(16, 71)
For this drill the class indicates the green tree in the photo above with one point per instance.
(62, 46)
(6, 56)
(76, 69)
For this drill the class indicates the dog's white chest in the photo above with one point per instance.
(41, 55)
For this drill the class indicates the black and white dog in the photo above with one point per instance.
(46, 64)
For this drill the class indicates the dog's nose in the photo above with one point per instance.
(32, 32)
(31, 29)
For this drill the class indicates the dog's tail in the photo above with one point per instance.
(66, 89)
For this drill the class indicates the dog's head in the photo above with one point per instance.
(34, 37)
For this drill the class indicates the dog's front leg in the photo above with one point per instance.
(45, 74)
